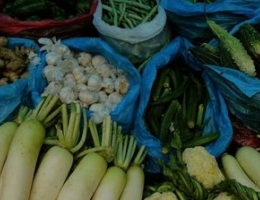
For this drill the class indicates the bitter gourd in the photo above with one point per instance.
(232, 50)
(250, 38)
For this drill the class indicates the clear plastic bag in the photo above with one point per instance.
(137, 43)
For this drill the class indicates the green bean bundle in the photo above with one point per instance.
(128, 14)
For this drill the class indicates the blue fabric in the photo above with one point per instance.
(14, 94)
(216, 110)
(189, 18)
(125, 110)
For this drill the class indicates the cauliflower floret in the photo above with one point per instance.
(203, 166)
(162, 196)
(224, 196)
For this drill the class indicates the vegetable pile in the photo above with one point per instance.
(14, 61)
(44, 9)
(177, 107)
(239, 51)
(62, 154)
(128, 14)
(81, 77)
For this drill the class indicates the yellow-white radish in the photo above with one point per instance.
(111, 185)
(56, 164)
(86, 176)
(51, 174)
(135, 183)
(249, 159)
(7, 131)
(233, 170)
(116, 179)
(135, 177)
(19, 168)
(84, 179)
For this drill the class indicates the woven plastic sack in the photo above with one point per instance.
(216, 110)
(80, 25)
(17, 93)
(189, 19)
(125, 111)
(138, 43)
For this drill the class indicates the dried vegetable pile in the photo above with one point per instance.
(69, 146)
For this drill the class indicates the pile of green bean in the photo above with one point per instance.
(175, 111)
(128, 13)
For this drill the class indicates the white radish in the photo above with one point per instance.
(56, 164)
(51, 174)
(7, 131)
(249, 159)
(19, 168)
(85, 178)
(111, 185)
(134, 183)
(233, 170)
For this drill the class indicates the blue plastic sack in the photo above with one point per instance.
(240, 91)
(17, 93)
(216, 110)
(124, 112)
(189, 19)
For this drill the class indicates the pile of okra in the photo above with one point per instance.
(176, 109)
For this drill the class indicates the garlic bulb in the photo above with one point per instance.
(60, 48)
(104, 70)
(115, 97)
(98, 60)
(68, 94)
(102, 96)
(88, 97)
(108, 85)
(81, 86)
(84, 58)
(94, 82)
(47, 44)
(53, 73)
(98, 112)
(121, 84)
(80, 75)
(52, 58)
(53, 88)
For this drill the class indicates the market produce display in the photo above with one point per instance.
(113, 100)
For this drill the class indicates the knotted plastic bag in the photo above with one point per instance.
(216, 110)
(125, 111)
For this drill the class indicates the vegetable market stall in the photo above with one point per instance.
(142, 111)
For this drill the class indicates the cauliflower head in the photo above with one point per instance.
(224, 196)
(202, 166)
(162, 196)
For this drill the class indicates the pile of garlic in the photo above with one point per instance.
(82, 77)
